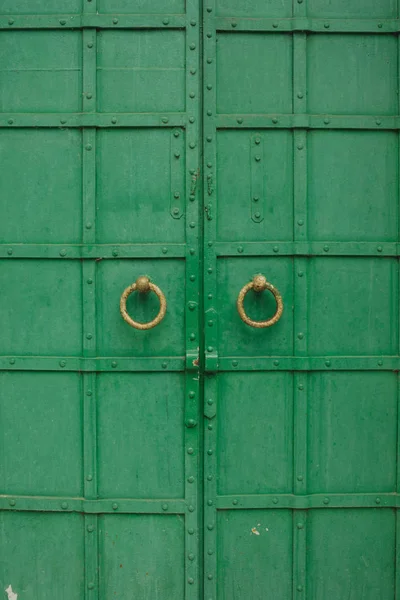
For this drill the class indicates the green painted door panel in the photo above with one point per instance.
(100, 463)
(301, 183)
(203, 459)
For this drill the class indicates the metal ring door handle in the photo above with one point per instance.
(259, 284)
(142, 285)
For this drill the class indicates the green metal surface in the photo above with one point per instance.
(204, 458)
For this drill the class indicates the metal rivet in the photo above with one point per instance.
(239, 120)
(192, 394)
(210, 296)
(326, 25)
(257, 140)
(192, 145)
(240, 249)
(89, 336)
(210, 576)
(164, 365)
(193, 71)
(257, 215)
(191, 479)
(190, 451)
(164, 120)
(210, 427)
(12, 361)
(89, 393)
(193, 23)
(115, 506)
(90, 45)
(192, 336)
(191, 120)
(209, 9)
(63, 252)
(378, 121)
(192, 251)
(62, 21)
(176, 211)
(191, 556)
(9, 251)
(300, 336)
(256, 198)
(275, 500)
(300, 525)
(209, 165)
(234, 502)
(326, 248)
(210, 323)
(113, 120)
(89, 96)
(300, 95)
(234, 24)
(380, 363)
(10, 121)
(299, 477)
(191, 531)
(209, 452)
(191, 580)
(235, 363)
(379, 248)
(91, 586)
(209, 61)
(115, 252)
(326, 500)
(210, 552)
(257, 158)
(192, 95)
(276, 363)
(90, 528)
(209, 477)
(166, 21)
(62, 363)
(177, 154)
(326, 121)
(300, 274)
(275, 25)
(11, 21)
(114, 364)
(209, 86)
(300, 222)
(275, 249)
(64, 505)
(209, 113)
(209, 138)
(275, 120)
(300, 146)
(12, 502)
(210, 401)
(88, 226)
(327, 363)
(378, 500)
(209, 270)
(210, 527)
(90, 281)
(63, 121)
(380, 25)
(89, 478)
(191, 305)
(301, 386)
(115, 21)
(191, 508)
(299, 588)
(165, 506)
(88, 147)
(210, 349)
(192, 46)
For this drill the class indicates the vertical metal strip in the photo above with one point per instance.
(300, 340)
(177, 176)
(210, 302)
(257, 199)
(192, 285)
(89, 303)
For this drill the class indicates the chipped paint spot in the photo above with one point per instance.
(11, 595)
(255, 531)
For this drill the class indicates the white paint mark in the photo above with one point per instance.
(255, 531)
(11, 595)
(266, 529)
(258, 524)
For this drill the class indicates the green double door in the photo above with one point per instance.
(199, 145)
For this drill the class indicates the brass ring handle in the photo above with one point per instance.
(259, 284)
(142, 285)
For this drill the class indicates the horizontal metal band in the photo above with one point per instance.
(304, 363)
(96, 251)
(326, 248)
(308, 24)
(306, 121)
(77, 21)
(376, 500)
(70, 363)
(93, 119)
(81, 505)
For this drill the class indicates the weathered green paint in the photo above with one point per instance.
(202, 458)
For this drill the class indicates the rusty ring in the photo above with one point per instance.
(142, 285)
(259, 284)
